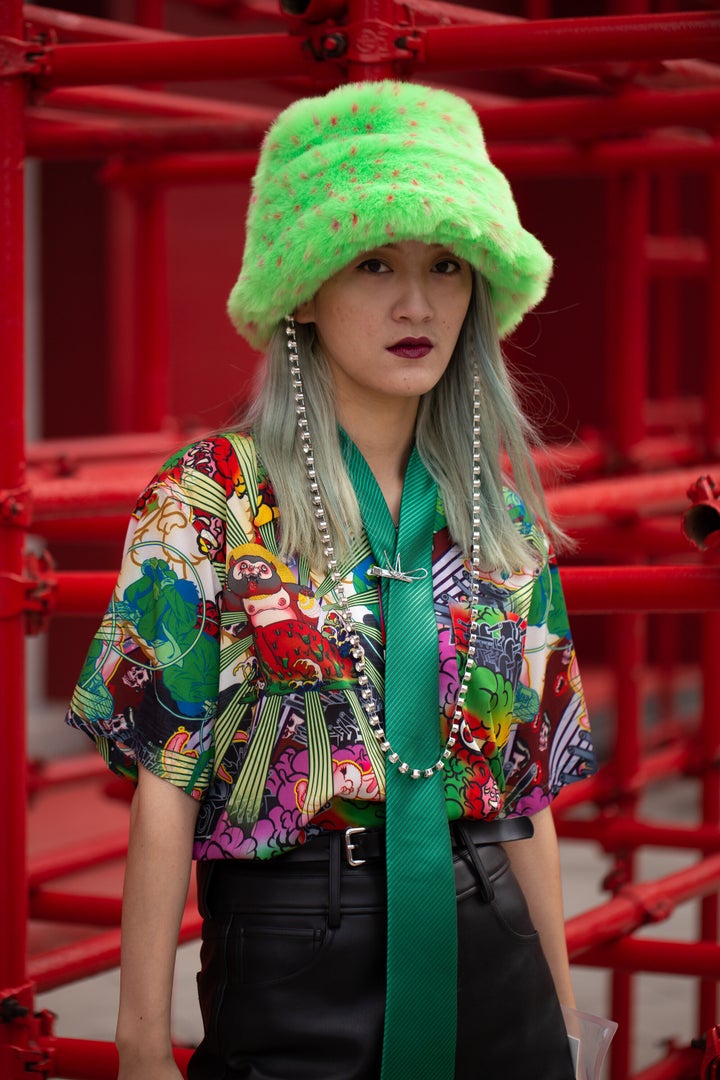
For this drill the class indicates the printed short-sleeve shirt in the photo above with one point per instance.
(227, 671)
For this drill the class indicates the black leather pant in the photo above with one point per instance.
(292, 985)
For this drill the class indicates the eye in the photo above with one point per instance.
(448, 266)
(374, 266)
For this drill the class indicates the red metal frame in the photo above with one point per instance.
(507, 45)
(618, 69)
(13, 494)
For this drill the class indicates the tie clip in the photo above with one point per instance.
(396, 573)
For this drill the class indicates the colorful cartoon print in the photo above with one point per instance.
(284, 617)
(228, 672)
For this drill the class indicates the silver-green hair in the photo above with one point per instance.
(443, 436)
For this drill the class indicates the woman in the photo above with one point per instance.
(299, 604)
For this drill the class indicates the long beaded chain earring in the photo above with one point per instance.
(356, 648)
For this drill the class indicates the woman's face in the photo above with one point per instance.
(388, 322)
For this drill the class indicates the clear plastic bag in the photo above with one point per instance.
(590, 1037)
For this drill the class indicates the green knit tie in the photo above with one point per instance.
(421, 996)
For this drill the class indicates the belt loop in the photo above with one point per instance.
(486, 888)
(334, 875)
(204, 875)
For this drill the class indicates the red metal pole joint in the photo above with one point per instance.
(20, 57)
(710, 1068)
(701, 523)
(640, 903)
(29, 1050)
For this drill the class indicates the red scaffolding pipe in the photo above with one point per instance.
(709, 750)
(69, 26)
(614, 833)
(73, 907)
(577, 41)
(662, 957)
(246, 57)
(589, 118)
(677, 256)
(64, 456)
(88, 1059)
(712, 364)
(681, 1063)
(13, 496)
(628, 338)
(604, 788)
(552, 41)
(55, 133)
(655, 538)
(668, 152)
(64, 771)
(539, 159)
(82, 959)
(622, 498)
(75, 858)
(637, 904)
(157, 103)
(577, 117)
(628, 652)
(683, 72)
(151, 354)
(113, 492)
(671, 411)
(502, 117)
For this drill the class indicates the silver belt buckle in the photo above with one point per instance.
(350, 847)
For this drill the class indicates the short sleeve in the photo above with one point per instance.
(148, 689)
(551, 745)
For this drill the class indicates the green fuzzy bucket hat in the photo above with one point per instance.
(370, 164)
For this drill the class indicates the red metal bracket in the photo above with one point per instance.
(26, 1037)
(377, 42)
(21, 57)
(701, 522)
(31, 594)
(370, 42)
(16, 507)
(371, 34)
(710, 1043)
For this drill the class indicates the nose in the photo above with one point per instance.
(413, 302)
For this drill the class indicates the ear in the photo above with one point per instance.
(305, 312)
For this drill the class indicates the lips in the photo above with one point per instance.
(411, 348)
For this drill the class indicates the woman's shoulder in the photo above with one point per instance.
(224, 460)
(212, 454)
(217, 456)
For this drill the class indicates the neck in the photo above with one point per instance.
(384, 437)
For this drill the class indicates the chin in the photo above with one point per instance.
(418, 387)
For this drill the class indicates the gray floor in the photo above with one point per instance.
(665, 1005)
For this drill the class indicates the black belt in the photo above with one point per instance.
(361, 845)
(229, 885)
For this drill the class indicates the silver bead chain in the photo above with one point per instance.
(356, 649)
